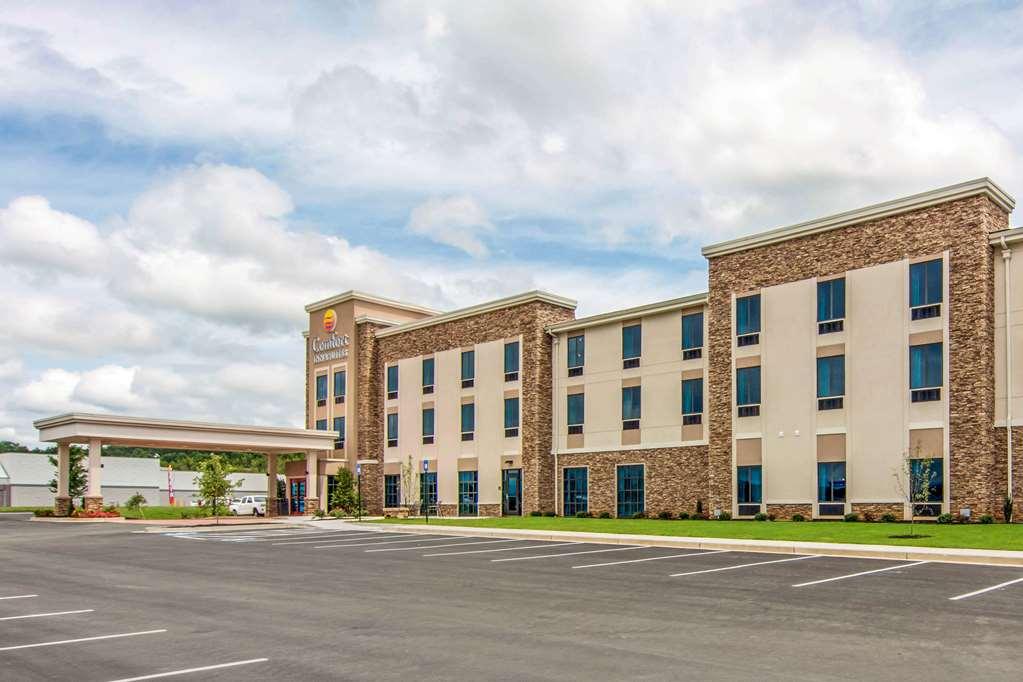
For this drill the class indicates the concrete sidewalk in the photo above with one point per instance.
(894, 552)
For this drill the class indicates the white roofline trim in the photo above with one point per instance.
(124, 420)
(980, 186)
(489, 306)
(1011, 236)
(630, 313)
(353, 294)
(376, 320)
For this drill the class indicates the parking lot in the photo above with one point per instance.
(362, 602)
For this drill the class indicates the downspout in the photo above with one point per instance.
(554, 415)
(1007, 261)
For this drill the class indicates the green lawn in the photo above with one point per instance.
(973, 536)
(8, 510)
(155, 513)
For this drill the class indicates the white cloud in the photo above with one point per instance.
(51, 393)
(32, 232)
(458, 221)
(109, 386)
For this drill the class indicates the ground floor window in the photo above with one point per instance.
(392, 490)
(331, 486)
(927, 485)
(750, 487)
(574, 485)
(468, 493)
(630, 490)
(428, 493)
(831, 481)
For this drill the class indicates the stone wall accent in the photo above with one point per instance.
(787, 511)
(312, 505)
(528, 320)
(960, 227)
(369, 405)
(373, 488)
(490, 510)
(62, 506)
(93, 504)
(877, 510)
(1000, 469)
(675, 478)
(447, 510)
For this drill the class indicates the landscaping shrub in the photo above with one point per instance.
(945, 518)
(639, 515)
(605, 515)
(665, 515)
(1007, 509)
(699, 508)
(725, 516)
(888, 517)
(583, 515)
(868, 516)
(987, 518)
(536, 513)
(43, 512)
(82, 514)
(852, 517)
(798, 518)
(549, 513)
(761, 516)
(771, 516)
(683, 516)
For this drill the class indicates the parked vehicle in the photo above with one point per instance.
(254, 505)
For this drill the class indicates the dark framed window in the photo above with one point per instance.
(692, 334)
(927, 485)
(831, 300)
(392, 430)
(511, 417)
(340, 385)
(428, 375)
(339, 426)
(428, 492)
(925, 366)
(747, 315)
(575, 412)
(747, 386)
(831, 376)
(632, 341)
(750, 486)
(321, 388)
(321, 424)
(925, 283)
(468, 420)
(575, 483)
(392, 382)
(692, 396)
(631, 498)
(631, 403)
(576, 354)
(392, 490)
(468, 368)
(468, 493)
(511, 361)
(428, 422)
(831, 481)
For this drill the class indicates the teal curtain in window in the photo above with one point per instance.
(428, 417)
(925, 283)
(321, 424)
(747, 386)
(692, 396)
(925, 366)
(339, 383)
(468, 493)
(468, 364)
(831, 300)
(631, 403)
(575, 491)
(339, 426)
(321, 387)
(632, 341)
(692, 331)
(750, 485)
(631, 499)
(831, 481)
(392, 426)
(392, 378)
(392, 490)
(575, 409)
(511, 357)
(831, 376)
(428, 372)
(468, 418)
(576, 351)
(511, 413)
(927, 475)
(747, 315)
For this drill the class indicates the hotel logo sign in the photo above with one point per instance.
(335, 346)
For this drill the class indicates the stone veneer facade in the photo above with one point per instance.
(976, 467)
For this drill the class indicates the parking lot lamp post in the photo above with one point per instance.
(358, 478)
(426, 490)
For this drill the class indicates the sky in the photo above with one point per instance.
(180, 178)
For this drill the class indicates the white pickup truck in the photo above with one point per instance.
(250, 504)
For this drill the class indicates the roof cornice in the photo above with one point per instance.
(980, 186)
(353, 295)
(1011, 236)
(630, 313)
(489, 306)
(359, 319)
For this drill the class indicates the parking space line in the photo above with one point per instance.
(504, 549)
(732, 568)
(19, 596)
(186, 671)
(653, 558)
(551, 556)
(82, 639)
(986, 589)
(388, 542)
(380, 536)
(453, 544)
(44, 615)
(856, 575)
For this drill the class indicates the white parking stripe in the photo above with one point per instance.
(856, 575)
(453, 544)
(986, 589)
(551, 556)
(20, 596)
(653, 558)
(732, 568)
(82, 639)
(187, 671)
(291, 537)
(43, 615)
(504, 549)
(380, 536)
(388, 542)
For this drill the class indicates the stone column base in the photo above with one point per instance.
(94, 504)
(312, 505)
(271, 507)
(62, 506)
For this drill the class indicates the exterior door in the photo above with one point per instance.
(511, 487)
(297, 496)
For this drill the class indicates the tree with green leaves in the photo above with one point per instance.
(78, 475)
(135, 504)
(344, 497)
(215, 487)
(914, 482)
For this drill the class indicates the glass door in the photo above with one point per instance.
(297, 496)
(511, 487)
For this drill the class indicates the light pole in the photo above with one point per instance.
(358, 478)
(426, 489)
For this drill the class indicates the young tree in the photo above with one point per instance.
(135, 504)
(410, 486)
(215, 487)
(78, 476)
(914, 482)
(344, 497)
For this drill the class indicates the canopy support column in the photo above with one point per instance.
(62, 502)
(94, 496)
(271, 484)
(312, 464)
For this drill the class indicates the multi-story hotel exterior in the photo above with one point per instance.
(823, 357)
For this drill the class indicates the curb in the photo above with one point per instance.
(993, 557)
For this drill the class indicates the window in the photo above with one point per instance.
(392, 382)
(468, 368)
(574, 491)
(830, 382)
(927, 486)
(575, 413)
(747, 320)
(511, 417)
(321, 390)
(428, 493)
(392, 490)
(631, 408)
(511, 361)
(321, 424)
(632, 345)
(468, 493)
(576, 355)
(750, 486)
(340, 381)
(747, 391)
(468, 421)
(630, 490)
(692, 401)
(831, 482)
(925, 372)
(428, 375)
(428, 425)
(830, 306)
(339, 426)
(925, 289)
(392, 430)
(692, 336)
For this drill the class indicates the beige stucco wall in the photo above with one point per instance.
(1016, 315)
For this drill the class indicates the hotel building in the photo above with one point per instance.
(828, 363)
